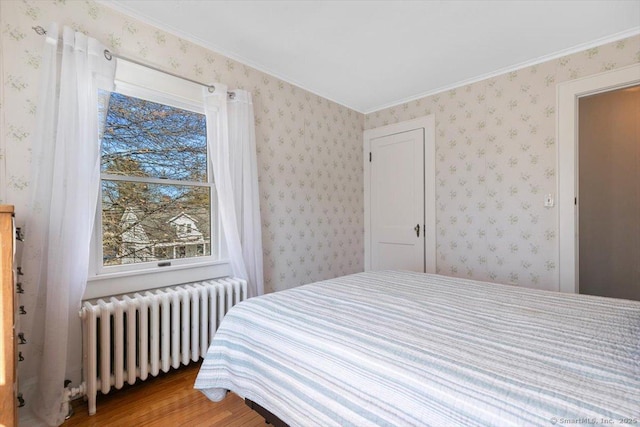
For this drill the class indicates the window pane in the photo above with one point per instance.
(144, 138)
(152, 222)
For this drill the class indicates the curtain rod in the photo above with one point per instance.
(110, 55)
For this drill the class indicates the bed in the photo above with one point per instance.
(409, 349)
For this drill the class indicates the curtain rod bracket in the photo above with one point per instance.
(109, 56)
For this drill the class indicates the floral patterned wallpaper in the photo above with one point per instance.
(496, 159)
(496, 154)
(309, 149)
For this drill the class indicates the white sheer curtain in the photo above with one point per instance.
(58, 228)
(231, 138)
(243, 164)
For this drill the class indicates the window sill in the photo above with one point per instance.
(109, 284)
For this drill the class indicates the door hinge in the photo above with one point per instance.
(575, 201)
(369, 156)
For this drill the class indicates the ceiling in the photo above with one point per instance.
(368, 55)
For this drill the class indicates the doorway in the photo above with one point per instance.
(399, 190)
(609, 193)
(567, 124)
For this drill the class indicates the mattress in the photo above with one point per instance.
(409, 349)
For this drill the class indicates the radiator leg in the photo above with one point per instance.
(92, 404)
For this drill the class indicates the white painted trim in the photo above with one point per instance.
(428, 123)
(567, 121)
(152, 278)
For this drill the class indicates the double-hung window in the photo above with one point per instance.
(157, 211)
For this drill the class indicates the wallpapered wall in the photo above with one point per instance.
(496, 154)
(309, 149)
(496, 158)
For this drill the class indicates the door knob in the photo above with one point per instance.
(417, 228)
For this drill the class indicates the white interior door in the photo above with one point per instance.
(397, 201)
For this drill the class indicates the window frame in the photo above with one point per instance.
(134, 80)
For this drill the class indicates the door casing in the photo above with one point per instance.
(427, 123)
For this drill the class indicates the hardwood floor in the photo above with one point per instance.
(168, 400)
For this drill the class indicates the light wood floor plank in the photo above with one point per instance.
(168, 400)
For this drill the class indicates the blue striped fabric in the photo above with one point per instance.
(409, 349)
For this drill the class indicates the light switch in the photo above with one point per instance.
(548, 200)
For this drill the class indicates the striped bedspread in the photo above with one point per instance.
(410, 349)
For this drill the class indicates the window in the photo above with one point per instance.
(157, 209)
(154, 173)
